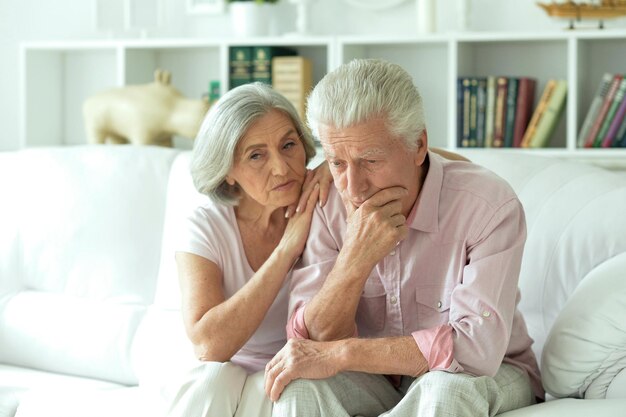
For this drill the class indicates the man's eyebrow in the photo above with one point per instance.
(372, 152)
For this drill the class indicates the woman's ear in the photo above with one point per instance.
(230, 181)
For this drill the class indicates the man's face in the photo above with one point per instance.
(365, 158)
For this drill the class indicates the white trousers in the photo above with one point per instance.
(216, 389)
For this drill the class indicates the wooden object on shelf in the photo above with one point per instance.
(292, 77)
(148, 114)
(578, 10)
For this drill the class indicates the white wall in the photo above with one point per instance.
(22, 20)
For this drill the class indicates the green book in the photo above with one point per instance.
(262, 61)
(240, 72)
(511, 107)
(550, 116)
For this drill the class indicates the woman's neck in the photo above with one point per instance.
(261, 218)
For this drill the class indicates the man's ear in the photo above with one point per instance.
(422, 149)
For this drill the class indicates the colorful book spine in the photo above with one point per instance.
(481, 104)
(262, 61)
(620, 136)
(597, 123)
(500, 114)
(473, 118)
(594, 108)
(525, 99)
(490, 110)
(602, 140)
(551, 116)
(610, 140)
(240, 66)
(538, 113)
(511, 104)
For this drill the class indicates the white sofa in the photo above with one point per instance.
(89, 300)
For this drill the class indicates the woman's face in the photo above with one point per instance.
(270, 161)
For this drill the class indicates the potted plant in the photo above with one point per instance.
(251, 17)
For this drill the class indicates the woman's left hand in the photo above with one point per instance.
(320, 175)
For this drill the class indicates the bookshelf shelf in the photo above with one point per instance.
(58, 76)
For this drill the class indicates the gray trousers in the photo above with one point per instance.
(433, 394)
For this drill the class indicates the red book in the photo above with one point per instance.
(597, 124)
(524, 108)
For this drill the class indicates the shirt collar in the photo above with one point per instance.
(424, 215)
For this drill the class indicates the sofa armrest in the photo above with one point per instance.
(586, 347)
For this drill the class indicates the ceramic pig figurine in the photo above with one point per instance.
(148, 114)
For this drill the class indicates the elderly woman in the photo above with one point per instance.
(236, 257)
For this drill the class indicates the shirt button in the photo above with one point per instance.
(439, 304)
(393, 299)
(486, 314)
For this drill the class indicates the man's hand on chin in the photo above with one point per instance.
(376, 225)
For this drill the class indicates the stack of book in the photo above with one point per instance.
(292, 77)
(498, 112)
(605, 123)
(253, 63)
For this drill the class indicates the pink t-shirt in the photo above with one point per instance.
(211, 231)
(451, 284)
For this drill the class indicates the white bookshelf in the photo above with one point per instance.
(58, 76)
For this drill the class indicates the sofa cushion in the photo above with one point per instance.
(9, 238)
(70, 335)
(91, 220)
(586, 347)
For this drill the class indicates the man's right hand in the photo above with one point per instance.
(375, 227)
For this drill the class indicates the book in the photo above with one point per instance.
(611, 139)
(620, 136)
(594, 108)
(240, 69)
(610, 115)
(481, 103)
(292, 76)
(473, 113)
(262, 61)
(524, 108)
(538, 113)
(511, 104)
(490, 108)
(604, 108)
(465, 143)
(550, 116)
(500, 113)
(459, 112)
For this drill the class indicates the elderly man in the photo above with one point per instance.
(407, 301)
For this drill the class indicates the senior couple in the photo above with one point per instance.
(398, 291)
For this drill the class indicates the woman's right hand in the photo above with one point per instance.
(297, 229)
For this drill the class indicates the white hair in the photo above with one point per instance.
(364, 89)
(223, 127)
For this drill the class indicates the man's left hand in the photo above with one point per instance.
(300, 358)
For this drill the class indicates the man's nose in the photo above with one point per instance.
(356, 183)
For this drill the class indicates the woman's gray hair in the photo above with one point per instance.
(364, 89)
(226, 122)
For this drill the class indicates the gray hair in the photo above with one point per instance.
(223, 127)
(368, 88)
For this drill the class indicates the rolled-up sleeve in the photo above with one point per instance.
(482, 308)
(317, 261)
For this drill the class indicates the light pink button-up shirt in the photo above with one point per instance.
(451, 284)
